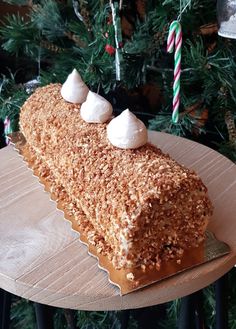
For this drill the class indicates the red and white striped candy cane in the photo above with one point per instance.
(175, 38)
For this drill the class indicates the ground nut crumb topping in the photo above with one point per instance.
(139, 207)
(130, 276)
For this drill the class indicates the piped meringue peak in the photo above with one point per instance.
(126, 131)
(96, 109)
(74, 90)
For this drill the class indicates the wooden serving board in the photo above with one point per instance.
(42, 259)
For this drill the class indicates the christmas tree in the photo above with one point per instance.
(120, 50)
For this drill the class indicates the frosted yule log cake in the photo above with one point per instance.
(138, 206)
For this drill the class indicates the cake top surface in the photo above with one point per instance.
(140, 174)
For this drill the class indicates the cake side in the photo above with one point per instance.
(127, 196)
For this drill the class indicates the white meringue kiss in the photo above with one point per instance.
(126, 131)
(74, 90)
(96, 109)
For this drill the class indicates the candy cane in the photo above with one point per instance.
(7, 129)
(175, 37)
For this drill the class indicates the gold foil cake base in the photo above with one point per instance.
(129, 280)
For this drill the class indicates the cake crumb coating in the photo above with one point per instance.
(139, 207)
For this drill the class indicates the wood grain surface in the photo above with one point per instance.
(42, 259)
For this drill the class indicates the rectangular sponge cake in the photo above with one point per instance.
(139, 207)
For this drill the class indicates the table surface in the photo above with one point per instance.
(42, 259)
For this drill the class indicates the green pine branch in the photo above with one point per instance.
(19, 36)
(12, 97)
(47, 18)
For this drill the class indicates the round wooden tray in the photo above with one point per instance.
(43, 260)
